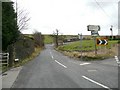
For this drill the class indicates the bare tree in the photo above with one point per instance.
(55, 35)
(22, 18)
(39, 39)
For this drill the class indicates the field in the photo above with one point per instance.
(48, 39)
(73, 50)
(87, 45)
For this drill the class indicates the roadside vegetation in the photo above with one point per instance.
(31, 57)
(19, 46)
(87, 45)
(24, 61)
(72, 47)
(73, 50)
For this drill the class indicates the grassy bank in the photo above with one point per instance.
(74, 50)
(26, 60)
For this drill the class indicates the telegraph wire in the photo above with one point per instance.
(102, 8)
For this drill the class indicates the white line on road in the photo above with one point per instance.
(51, 55)
(61, 64)
(96, 83)
(85, 63)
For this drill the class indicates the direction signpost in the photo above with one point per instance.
(93, 28)
(94, 32)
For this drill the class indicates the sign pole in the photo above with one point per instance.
(95, 45)
(81, 44)
(80, 37)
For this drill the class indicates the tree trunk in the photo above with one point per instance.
(11, 51)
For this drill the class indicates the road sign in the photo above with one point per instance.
(93, 28)
(102, 41)
(94, 33)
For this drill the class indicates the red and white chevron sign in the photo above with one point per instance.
(102, 41)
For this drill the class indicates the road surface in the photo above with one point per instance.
(52, 69)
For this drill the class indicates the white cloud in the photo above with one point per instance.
(71, 16)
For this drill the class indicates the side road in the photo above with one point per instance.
(9, 77)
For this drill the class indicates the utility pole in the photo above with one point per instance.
(111, 31)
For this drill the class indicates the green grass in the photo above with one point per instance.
(87, 45)
(48, 39)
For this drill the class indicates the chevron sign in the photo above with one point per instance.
(102, 41)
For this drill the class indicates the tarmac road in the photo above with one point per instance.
(52, 69)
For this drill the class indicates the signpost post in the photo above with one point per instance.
(80, 37)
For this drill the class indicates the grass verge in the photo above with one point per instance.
(88, 56)
(73, 50)
(26, 60)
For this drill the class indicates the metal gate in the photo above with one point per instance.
(4, 57)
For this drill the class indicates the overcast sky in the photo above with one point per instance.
(71, 16)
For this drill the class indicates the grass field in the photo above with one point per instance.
(73, 50)
(48, 39)
(87, 45)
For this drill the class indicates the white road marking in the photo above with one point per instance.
(85, 63)
(51, 55)
(117, 60)
(61, 64)
(96, 83)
